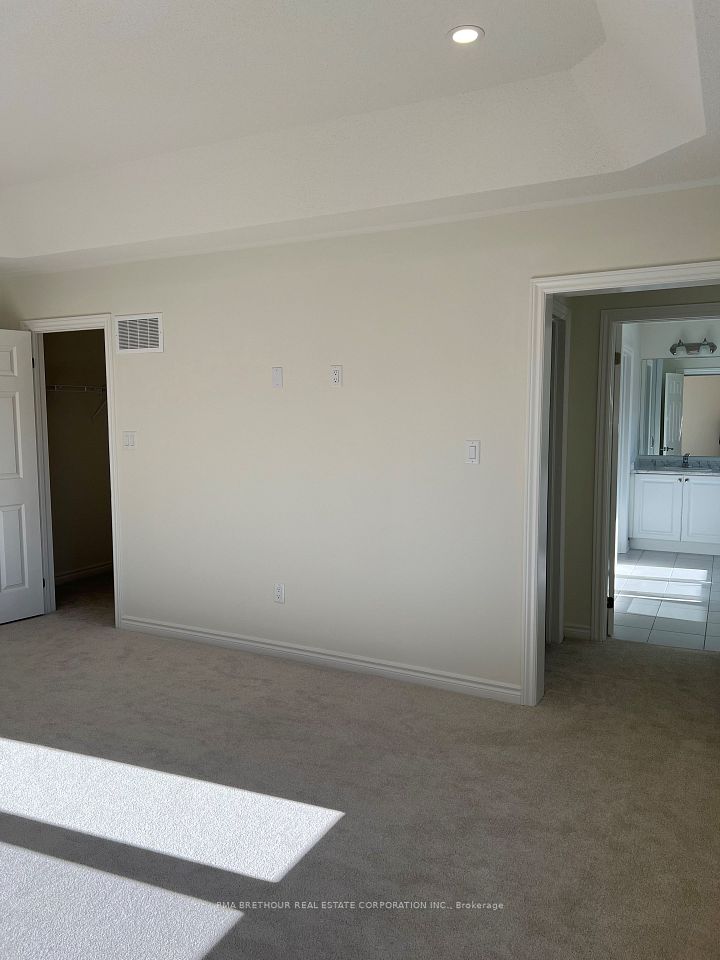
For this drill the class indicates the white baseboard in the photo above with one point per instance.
(574, 631)
(94, 570)
(508, 693)
(676, 546)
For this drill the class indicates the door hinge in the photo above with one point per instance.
(33, 362)
(618, 359)
(611, 603)
(43, 581)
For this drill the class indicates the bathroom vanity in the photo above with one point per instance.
(678, 511)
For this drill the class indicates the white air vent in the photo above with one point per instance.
(140, 334)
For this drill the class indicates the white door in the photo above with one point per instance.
(21, 575)
(657, 506)
(701, 509)
(672, 422)
(612, 512)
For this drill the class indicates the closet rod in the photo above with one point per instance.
(72, 388)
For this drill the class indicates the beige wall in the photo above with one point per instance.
(78, 448)
(582, 421)
(701, 416)
(357, 498)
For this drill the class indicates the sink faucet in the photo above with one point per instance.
(686, 459)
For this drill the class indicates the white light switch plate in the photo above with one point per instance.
(472, 451)
(128, 438)
(277, 377)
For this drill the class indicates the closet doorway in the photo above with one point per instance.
(71, 389)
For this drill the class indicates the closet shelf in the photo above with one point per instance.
(74, 388)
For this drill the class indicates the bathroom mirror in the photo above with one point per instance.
(680, 407)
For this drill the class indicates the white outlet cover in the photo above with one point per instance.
(279, 593)
(277, 377)
(336, 375)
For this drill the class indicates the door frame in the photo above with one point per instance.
(627, 378)
(99, 321)
(542, 290)
(557, 463)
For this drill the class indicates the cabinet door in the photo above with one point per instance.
(657, 506)
(701, 509)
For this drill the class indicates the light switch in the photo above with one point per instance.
(128, 438)
(472, 451)
(277, 377)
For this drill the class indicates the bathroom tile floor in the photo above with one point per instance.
(671, 599)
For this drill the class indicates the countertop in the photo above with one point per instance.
(685, 471)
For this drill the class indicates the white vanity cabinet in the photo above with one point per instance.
(681, 510)
(701, 509)
(657, 506)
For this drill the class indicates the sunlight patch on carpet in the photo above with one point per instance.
(237, 830)
(51, 908)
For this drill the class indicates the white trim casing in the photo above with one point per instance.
(671, 546)
(533, 654)
(46, 534)
(95, 321)
(604, 507)
(457, 683)
(628, 375)
(542, 290)
(557, 462)
(99, 321)
(566, 314)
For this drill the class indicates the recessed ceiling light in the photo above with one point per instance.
(467, 34)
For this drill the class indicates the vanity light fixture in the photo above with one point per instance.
(678, 349)
(704, 349)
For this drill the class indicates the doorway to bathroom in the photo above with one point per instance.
(665, 456)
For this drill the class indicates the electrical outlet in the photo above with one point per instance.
(336, 375)
(279, 595)
(277, 377)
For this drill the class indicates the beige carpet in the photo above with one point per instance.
(593, 819)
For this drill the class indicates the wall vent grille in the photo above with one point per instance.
(139, 334)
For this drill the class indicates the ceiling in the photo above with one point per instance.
(143, 129)
(88, 82)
